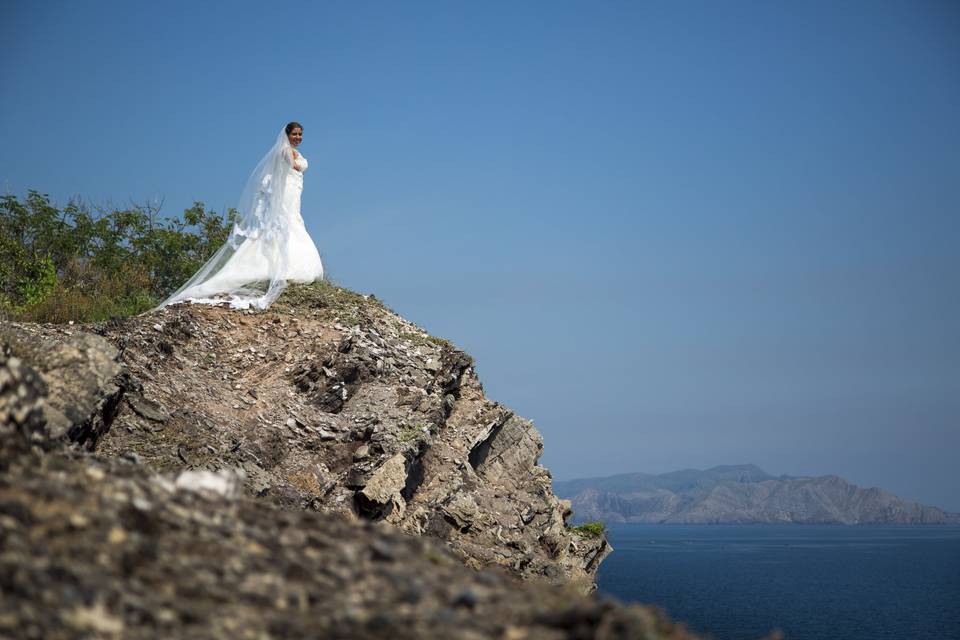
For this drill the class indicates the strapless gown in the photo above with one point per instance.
(292, 256)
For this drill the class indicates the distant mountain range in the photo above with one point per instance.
(739, 494)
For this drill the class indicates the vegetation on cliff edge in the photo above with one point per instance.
(593, 529)
(88, 264)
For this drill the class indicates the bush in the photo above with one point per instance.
(58, 265)
(593, 529)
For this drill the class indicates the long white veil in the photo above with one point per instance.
(260, 219)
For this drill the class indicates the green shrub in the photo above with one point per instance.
(37, 282)
(593, 529)
(73, 263)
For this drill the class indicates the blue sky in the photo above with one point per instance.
(673, 234)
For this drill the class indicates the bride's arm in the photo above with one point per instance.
(293, 159)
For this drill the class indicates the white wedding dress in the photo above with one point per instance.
(268, 247)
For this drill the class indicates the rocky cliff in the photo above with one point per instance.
(203, 472)
(739, 494)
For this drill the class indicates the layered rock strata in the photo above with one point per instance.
(107, 547)
(331, 402)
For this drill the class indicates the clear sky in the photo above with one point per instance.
(674, 234)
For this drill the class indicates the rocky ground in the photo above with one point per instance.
(102, 548)
(330, 401)
(323, 469)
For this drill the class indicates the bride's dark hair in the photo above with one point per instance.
(293, 125)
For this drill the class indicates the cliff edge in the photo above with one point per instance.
(95, 546)
(331, 402)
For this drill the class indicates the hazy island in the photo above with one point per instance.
(739, 494)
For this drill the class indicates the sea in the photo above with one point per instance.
(810, 582)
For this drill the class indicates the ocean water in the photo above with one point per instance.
(810, 582)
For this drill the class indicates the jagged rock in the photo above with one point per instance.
(147, 409)
(380, 495)
(125, 543)
(461, 510)
(96, 548)
(84, 383)
(362, 452)
(511, 444)
(331, 379)
(22, 397)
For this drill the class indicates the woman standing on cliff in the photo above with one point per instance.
(268, 246)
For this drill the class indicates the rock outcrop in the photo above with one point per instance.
(740, 494)
(332, 402)
(96, 546)
(323, 469)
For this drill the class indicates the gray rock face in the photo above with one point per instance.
(739, 494)
(23, 394)
(102, 547)
(331, 402)
(78, 390)
(212, 474)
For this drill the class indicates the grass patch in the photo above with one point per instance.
(78, 307)
(593, 529)
(328, 298)
(409, 432)
(421, 339)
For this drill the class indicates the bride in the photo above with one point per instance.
(268, 245)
